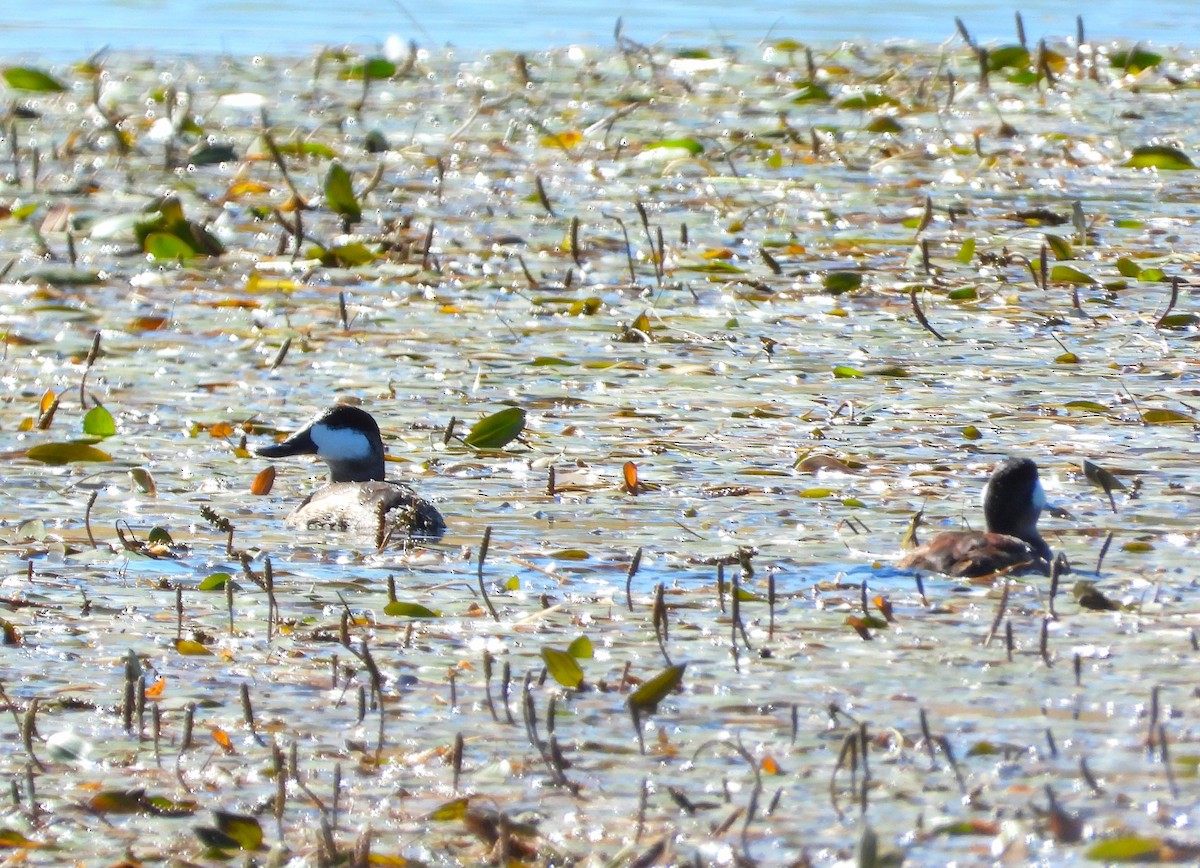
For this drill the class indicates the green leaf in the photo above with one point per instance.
(159, 536)
(99, 423)
(1178, 321)
(581, 648)
(1162, 157)
(837, 282)
(167, 247)
(551, 361)
(966, 252)
(1128, 268)
(1135, 60)
(307, 149)
(454, 810)
(375, 67)
(33, 80)
(963, 293)
(240, 827)
(845, 372)
(1060, 247)
(571, 555)
(353, 254)
(1152, 275)
(339, 193)
(809, 92)
(692, 146)
(1087, 405)
(1128, 848)
(647, 697)
(885, 124)
(1008, 57)
(214, 582)
(1069, 274)
(562, 667)
(816, 493)
(398, 609)
(497, 430)
(65, 453)
(1165, 417)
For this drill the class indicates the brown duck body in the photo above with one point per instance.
(970, 554)
(1012, 502)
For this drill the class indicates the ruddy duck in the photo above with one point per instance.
(358, 497)
(1012, 501)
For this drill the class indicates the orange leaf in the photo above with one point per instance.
(155, 690)
(148, 323)
(860, 626)
(263, 481)
(221, 429)
(48, 398)
(770, 766)
(631, 478)
(885, 608)
(221, 737)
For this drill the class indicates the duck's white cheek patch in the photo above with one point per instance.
(341, 444)
(1039, 496)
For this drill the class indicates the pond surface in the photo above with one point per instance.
(712, 267)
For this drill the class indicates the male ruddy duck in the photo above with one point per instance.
(1012, 501)
(358, 497)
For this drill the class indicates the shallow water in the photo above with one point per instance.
(748, 369)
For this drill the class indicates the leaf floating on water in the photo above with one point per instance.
(132, 801)
(1128, 848)
(242, 828)
(65, 453)
(214, 582)
(339, 194)
(837, 282)
(564, 140)
(10, 839)
(497, 430)
(1178, 321)
(263, 482)
(1161, 157)
(32, 80)
(647, 697)
(400, 609)
(1061, 248)
(818, 463)
(1069, 274)
(845, 372)
(581, 648)
(692, 146)
(454, 810)
(1135, 59)
(99, 423)
(1087, 405)
(1166, 417)
(629, 476)
(190, 648)
(562, 667)
(144, 481)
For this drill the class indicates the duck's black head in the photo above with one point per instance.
(344, 437)
(1012, 501)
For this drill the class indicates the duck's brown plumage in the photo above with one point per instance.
(1012, 502)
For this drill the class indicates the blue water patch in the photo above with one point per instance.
(72, 29)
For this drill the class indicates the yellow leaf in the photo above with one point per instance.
(564, 140)
(189, 648)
